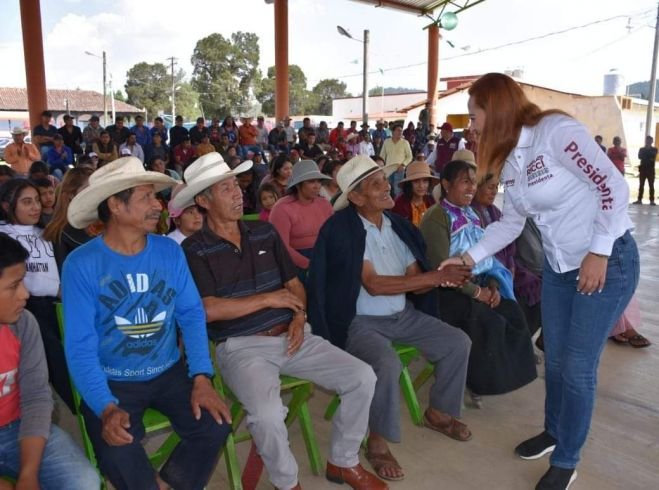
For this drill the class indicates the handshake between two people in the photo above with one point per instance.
(453, 272)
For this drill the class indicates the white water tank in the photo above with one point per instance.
(614, 83)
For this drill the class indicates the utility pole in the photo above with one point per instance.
(173, 62)
(649, 130)
(105, 91)
(365, 80)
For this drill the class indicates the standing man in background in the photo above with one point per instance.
(648, 156)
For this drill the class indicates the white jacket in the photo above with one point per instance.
(558, 176)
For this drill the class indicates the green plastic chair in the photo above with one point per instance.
(406, 355)
(250, 217)
(298, 409)
(153, 421)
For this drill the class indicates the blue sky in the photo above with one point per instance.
(132, 31)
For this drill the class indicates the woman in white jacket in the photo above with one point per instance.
(20, 212)
(553, 172)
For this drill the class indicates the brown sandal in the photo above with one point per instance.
(453, 429)
(379, 461)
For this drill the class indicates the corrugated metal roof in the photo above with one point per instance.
(423, 7)
(88, 101)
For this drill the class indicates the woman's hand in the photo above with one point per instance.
(592, 274)
(495, 296)
(463, 259)
(484, 296)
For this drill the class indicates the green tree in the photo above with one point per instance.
(225, 71)
(298, 99)
(323, 93)
(187, 102)
(149, 85)
(119, 95)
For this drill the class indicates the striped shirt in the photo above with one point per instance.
(260, 265)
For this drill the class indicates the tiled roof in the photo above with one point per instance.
(15, 99)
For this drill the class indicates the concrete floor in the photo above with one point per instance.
(622, 451)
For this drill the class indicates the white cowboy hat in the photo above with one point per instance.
(353, 172)
(116, 176)
(203, 173)
(465, 156)
(305, 170)
(18, 130)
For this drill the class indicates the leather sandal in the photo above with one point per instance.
(453, 429)
(379, 461)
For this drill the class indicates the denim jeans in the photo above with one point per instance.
(63, 464)
(576, 327)
(191, 463)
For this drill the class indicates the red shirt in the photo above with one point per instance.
(617, 155)
(10, 348)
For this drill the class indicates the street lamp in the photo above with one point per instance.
(365, 41)
(105, 97)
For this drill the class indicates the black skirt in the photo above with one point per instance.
(501, 358)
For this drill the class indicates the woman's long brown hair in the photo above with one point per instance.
(71, 184)
(507, 109)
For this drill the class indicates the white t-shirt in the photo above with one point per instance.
(42, 276)
(177, 236)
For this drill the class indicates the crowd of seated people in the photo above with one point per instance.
(327, 254)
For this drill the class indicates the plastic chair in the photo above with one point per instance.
(250, 217)
(298, 408)
(153, 421)
(406, 355)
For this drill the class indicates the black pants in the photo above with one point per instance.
(192, 462)
(43, 309)
(646, 173)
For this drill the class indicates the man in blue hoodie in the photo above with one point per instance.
(126, 294)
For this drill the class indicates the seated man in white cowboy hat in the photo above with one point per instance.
(255, 309)
(19, 154)
(127, 293)
(364, 266)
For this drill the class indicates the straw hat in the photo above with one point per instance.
(416, 171)
(305, 170)
(203, 173)
(116, 176)
(353, 172)
(465, 156)
(18, 130)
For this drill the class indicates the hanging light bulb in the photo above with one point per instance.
(448, 21)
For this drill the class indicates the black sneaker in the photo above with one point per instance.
(536, 447)
(557, 479)
(638, 202)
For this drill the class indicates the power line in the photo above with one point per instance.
(500, 46)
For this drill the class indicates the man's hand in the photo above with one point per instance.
(464, 259)
(115, 422)
(283, 298)
(205, 396)
(452, 275)
(295, 334)
(592, 274)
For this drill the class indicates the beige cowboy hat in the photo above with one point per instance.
(203, 173)
(116, 176)
(18, 130)
(465, 156)
(305, 170)
(353, 172)
(416, 171)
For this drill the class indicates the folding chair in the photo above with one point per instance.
(153, 421)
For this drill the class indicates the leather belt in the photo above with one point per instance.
(275, 331)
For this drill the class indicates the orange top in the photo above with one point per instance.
(248, 134)
(20, 158)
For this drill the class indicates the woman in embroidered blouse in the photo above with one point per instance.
(555, 173)
(415, 199)
(501, 358)
(526, 284)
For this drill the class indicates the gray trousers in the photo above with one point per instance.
(370, 338)
(251, 366)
